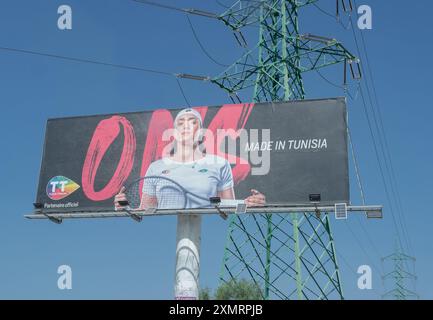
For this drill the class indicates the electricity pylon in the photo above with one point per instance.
(399, 276)
(289, 256)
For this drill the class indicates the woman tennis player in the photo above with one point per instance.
(188, 177)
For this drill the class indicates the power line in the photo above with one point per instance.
(387, 167)
(334, 84)
(199, 12)
(372, 135)
(381, 122)
(113, 65)
(187, 13)
(201, 45)
(361, 246)
(333, 16)
(184, 10)
(221, 4)
(355, 162)
(350, 267)
(88, 61)
(345, 90)
(159, 5)
(183, 92)
(357, 171)
(396, 197)
(379, 163)
(361, 189)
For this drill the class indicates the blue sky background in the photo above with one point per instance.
(121, 259)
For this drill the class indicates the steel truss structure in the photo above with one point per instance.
(288, 255)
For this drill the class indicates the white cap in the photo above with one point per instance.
(193, 112)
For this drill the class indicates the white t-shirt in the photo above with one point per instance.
(201, 179)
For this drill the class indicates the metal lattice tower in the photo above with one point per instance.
(399, 276)
(290, 256)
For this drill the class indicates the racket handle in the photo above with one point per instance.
(134, 216)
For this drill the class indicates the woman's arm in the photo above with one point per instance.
(227, 193)
(121, 196)
(146, 201)
(256, 199)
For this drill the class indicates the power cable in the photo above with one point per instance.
(81, 60)
(201, 45)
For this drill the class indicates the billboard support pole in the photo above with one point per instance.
(188, 238)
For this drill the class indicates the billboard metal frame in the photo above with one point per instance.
(209, 211)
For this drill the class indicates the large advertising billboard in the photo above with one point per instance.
(262, 154)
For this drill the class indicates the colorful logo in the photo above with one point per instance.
(60, 187)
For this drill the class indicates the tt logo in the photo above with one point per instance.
(61, 185)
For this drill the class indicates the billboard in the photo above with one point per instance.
(272, 154)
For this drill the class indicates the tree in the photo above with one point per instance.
(205, 294)
(234, 290)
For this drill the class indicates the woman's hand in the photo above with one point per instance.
(256, 199)
(121, 196)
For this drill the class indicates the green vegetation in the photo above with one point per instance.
(233, 290)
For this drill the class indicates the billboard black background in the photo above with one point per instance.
(293, 175)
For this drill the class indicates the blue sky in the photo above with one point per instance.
(122, 259)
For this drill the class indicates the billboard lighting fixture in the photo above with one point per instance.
(53, 219)
(216, 201)
(374, 214)
(315, 197)
(38, 205)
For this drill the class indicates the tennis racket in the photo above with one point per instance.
(160, 193)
